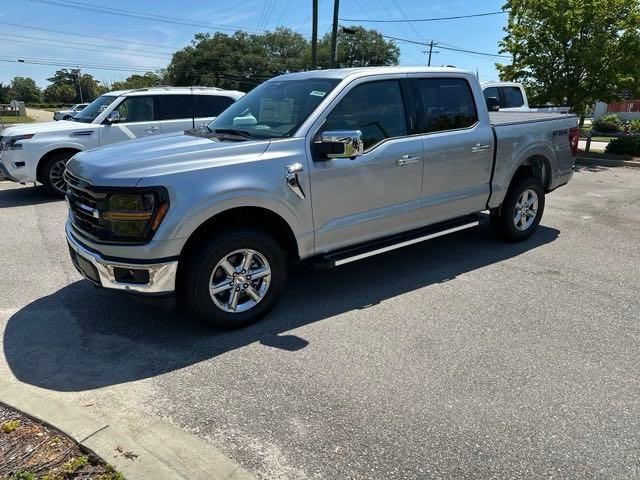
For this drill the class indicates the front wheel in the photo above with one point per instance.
(234, 279)
(520, 213)
(52, 174)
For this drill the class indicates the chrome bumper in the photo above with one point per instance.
(101, 272)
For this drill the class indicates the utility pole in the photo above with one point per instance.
(334, 34)
(77, 72)
(314, 36)
(430, 51)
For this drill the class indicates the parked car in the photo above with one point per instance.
(512, 97)
(329, 166)
(40, 151)
(70, 112)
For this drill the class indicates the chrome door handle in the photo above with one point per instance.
(151, 129)
(407, 160)
(477, 148)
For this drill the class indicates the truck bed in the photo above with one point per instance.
(513, 118)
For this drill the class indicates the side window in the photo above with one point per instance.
(173, 107)
(448, 104)
(375, 108)
(210, 105)
(512, 97)
(136, 109)
(491, 92)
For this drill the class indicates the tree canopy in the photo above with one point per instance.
(24, 89)
(243, 60)
(64, 87)
(579, 50)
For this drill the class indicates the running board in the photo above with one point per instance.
(353, 254)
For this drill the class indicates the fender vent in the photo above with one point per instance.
(82, 133)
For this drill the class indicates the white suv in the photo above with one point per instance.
(39, 152)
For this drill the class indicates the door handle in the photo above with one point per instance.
(151, 129)
(477, 148)
(407, 160)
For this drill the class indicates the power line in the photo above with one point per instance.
(139, 15)
(440, 45)
(434, 19)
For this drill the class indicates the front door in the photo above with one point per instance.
(138, 119)
(376, 194)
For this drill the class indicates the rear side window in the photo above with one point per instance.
(375, 108)
(512, 97)
(210, 105)
(447, 103)
(491, 92)
(174, 107)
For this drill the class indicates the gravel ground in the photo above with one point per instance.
(460, 358)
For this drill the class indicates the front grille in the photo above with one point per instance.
(84, 206)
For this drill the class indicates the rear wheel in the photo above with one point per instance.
(520, 213)
(52, 173)
(234, 279)
(67, 117)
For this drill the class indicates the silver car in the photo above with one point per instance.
(69, 113)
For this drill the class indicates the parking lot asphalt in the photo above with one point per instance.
(463, 357)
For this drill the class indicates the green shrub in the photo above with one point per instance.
(608, 123)
(624, 146)
(635, 125)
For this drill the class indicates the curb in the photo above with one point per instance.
(163, 450)
(606, 162)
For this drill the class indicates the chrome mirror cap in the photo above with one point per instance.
(351, 140)
(113, 117)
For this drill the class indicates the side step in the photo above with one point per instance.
(353, 254)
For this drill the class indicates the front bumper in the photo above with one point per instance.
(13, 166)
(103, 272)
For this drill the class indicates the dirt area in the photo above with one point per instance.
(30, 450)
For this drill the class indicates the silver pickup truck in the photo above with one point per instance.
(329, 166)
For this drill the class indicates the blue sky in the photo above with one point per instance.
(124, 43)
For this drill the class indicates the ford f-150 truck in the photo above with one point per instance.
(330, 166)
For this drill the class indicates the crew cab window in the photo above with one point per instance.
(173, 107)
(375, 108)
(210, 105)
(447, 103)
(512, 97)
(136, 109)
(491, 92)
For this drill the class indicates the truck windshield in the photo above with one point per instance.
(274, 109)
(95, 108)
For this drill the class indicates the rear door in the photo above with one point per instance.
(175, 112)
(208, 107)
(458, 147)
(137, 120)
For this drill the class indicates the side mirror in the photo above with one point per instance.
(340, 144)
(493, 104)
(113, 117)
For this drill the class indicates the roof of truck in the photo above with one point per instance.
(166, 90)
(341, 73)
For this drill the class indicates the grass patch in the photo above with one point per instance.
(10, 426)
(8, 119)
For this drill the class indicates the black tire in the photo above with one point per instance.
(194, 279)
(67, 117)
(50, 173)
(503, 219)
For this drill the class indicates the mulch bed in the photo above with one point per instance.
(30, 450)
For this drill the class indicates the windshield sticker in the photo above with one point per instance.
(276, 111)
(318, 93)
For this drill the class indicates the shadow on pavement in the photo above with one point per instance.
(25, 195)
(81, 338)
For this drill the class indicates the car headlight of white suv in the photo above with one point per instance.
(13, 142)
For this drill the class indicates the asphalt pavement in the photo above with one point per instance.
(463, 357)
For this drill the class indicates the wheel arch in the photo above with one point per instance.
(52, 153)
(245, 217)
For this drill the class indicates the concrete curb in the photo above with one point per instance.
(606, 162)
(163, 450)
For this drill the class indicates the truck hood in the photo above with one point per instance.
(47, 127)
(126, 163)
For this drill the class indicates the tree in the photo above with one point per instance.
(579, 50)
(149, 79)
(25, 89)
(5, 90)
(59, 93)
(362, 48)
(91, 88)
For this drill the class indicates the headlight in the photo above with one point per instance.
(11, 143)
(129, 216)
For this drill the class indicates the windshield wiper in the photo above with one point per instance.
(233, 131)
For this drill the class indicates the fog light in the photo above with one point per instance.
(131, 275)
